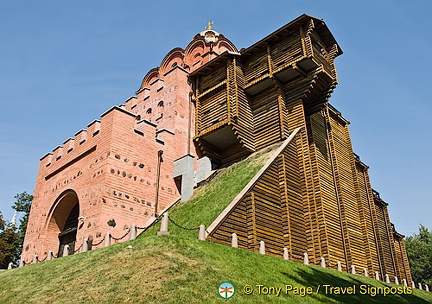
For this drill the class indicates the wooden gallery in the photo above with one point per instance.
(210, 105)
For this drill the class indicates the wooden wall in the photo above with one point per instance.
(270, 211)
(367, 208)
(316, 196)
(385, 238)
(242, 113)
(402, 264)
(211, 97)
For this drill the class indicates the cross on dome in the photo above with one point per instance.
(209, 25)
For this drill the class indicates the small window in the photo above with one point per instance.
(139, 132)
(318, 47)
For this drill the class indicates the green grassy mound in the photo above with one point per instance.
(177, 269)
(211, 199)
(180, 269)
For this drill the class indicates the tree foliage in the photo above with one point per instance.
(23, 204)
(9, 244)
(2, 222)
(10, 240)
(419, 250)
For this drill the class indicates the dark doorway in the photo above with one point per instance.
(68, 235)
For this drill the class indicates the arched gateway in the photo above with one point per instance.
(63, 221)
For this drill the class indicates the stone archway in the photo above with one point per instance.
(62, 225)
(68, 234)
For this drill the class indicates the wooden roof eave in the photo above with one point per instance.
(397, 234)
(361, 164)
(333, 111)
(215, 62)
(321, 27)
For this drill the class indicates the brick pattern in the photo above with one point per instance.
(110, 168)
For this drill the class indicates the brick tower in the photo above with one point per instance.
(120, 170)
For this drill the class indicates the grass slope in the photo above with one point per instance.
(180, 269)
(177, 269)
(211, 199)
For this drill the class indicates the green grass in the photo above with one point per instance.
(180, 269)
(177, 269)
(211, 199)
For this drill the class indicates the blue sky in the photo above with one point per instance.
(62, 64)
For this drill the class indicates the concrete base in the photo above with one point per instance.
(305, 259)
(322, 262)
(204, 169)
(377, 277)
(202, 233)
(262, 248)
(285, 254)
(387, 278)
(184, 173)
(164, 225)
(234, 240)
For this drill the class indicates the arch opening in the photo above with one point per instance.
(63, 223)
(68, 235)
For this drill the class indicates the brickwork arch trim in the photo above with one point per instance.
(176, 56)
(60, 210)
(151, 76)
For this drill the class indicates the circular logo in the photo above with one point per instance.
(226, 290)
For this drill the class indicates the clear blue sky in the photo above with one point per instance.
(63, 63)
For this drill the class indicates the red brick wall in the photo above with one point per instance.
(112, 166)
